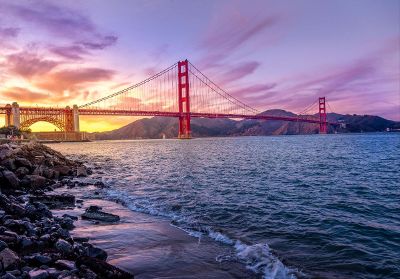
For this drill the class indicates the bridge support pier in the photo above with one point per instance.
(15, 115)
(322, 116)
(75, 114)
(184, 100)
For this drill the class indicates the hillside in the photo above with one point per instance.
(156, 127)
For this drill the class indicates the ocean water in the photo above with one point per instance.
(315, 206)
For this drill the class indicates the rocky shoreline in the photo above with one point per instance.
(34, 243)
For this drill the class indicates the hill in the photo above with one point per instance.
(156, 127)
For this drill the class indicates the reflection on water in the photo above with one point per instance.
(327, 205)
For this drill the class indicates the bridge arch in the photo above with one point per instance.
(52, 120)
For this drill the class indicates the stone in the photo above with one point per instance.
(38, 274)
(5, 151)
(21, 172)
(95, 252)
(8, 276)
(8, 258)
(11, 179)
(37, 210)
(53, 272)
(26, 243)
(36, 181)
(63, 170)
(67, 223)
(81, 171)
(3, 245)
(102, 268)
(65, 264)
(22, 162)
(63, 246)
(9, 163)
(55, 201)
(43, 259)
(94, 213)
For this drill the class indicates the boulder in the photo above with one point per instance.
(21, 172)
(94, 213)
(38, 274)
(8, 258)
(37, 210)
(63, 246)
(55, 201)
(63, 170)
(36, 181)
(103, 269)
(11, 179)
(95, 252)
(81, 171)
(22, 162)
(65, 264)
(5, 151)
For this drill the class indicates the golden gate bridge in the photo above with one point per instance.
(180, 91)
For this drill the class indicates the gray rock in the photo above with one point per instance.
(3, 245)
(94, 213)
(9, 258)
(63, 170)
(43, 259)
(95, 252)
(11, 178)
(36, 181)
(8, 276)
(22, 162)
(81, 171)
(21, 172)
(65, 264)
(63, 246)
(38, 274)
(5, 151)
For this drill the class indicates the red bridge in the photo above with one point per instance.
(180, 91)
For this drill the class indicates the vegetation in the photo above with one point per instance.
(12, 130)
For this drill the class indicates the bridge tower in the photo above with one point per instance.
(184, 100)
(15, 115)
(322, 116)
(75, 113)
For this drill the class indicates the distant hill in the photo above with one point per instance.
(156, 127)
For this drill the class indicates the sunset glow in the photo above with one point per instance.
(269, 54)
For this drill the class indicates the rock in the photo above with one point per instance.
(22, 162)
(11, 207)
(36, 181)
(67, 223)
(63, 170)
(8, 276)
(94, 213)
(37, 210)
(9, 164)
(65, 264)
(81, 171)
(53, 273)
(95, 252)
(103, 269)
(43, 259)
(5, 151)
(38, 274)
(63, 246)
(8, 258)
(55, 201)
(3, 245)
(81, 239)
(11, 179)
(21, 172)
(26, 243)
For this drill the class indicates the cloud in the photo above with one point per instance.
(227, 34)
(23, 95)
(73, 80)
(27, 64)
(9, 32)
(78, 33)
(239, 71)
(73, 52)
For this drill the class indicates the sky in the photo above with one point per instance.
(268, 54)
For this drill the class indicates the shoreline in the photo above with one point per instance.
(141, 244)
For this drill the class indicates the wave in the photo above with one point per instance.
(256, 257)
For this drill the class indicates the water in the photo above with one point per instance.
(319, 206)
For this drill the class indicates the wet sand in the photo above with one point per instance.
(150, 247)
